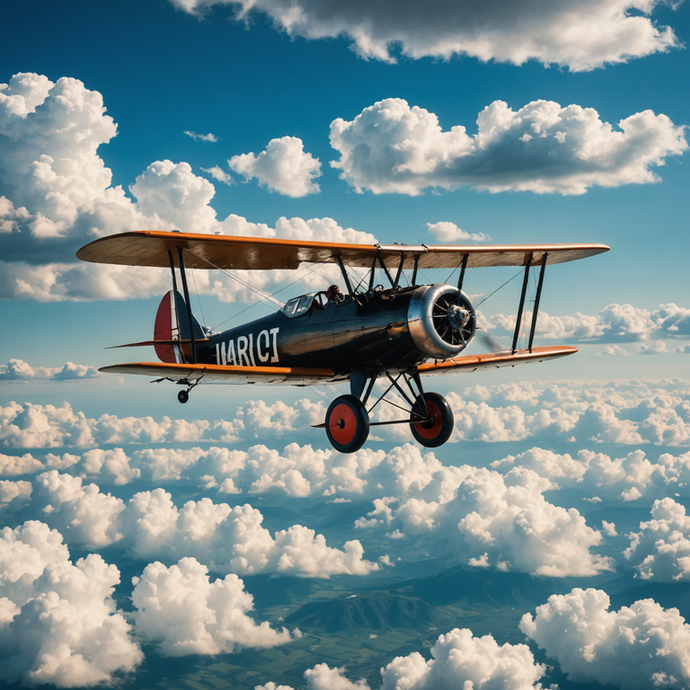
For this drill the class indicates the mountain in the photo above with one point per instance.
(376, 610)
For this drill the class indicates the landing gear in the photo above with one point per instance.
(347, 423)
(183, 396)
(439, 422)
(428, 414)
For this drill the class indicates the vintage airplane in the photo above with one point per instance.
(371, 332)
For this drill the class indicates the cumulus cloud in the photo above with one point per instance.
(543, 147)
(628, 413)
(628, 478)
(638, 647)
(661, 549)
(18, 370)
(210, 137)
(228, 540)
(445, 231)
(185, 613)
(500, 521)
(615, 323)
(581, 37)
(59, 196)
(48, 426)
(458, 660)
(58, 621)
(14, 491)
(82, 513)
(284, 167)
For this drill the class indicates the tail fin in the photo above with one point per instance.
(172, 323)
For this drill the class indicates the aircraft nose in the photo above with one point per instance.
(458, 317)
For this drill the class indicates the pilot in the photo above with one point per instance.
(333, 294)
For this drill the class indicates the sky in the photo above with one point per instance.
(442, 122)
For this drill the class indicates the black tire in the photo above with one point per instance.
(183, 396)
(347, 424)
(436, 432)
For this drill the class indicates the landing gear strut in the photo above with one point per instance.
(347, 420)
(183, 396)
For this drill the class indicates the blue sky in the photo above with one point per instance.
(383, 90)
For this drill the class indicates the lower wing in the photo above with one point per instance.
(308, 376)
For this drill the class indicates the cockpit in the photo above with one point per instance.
(301, 305)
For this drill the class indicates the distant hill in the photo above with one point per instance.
(479, 588)
(376, 611)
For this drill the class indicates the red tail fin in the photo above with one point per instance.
(167, 327)
(172, 323)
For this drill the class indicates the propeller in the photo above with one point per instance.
(490, 341)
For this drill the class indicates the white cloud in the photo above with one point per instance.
(59, 624)
(211, 138)
(581, 37)
(18, 370)
(628, 413)
(232, 539)
(13, 491)
(224, 538)
(82, 513)
(498, 521)
(638, 647)
(62, 198)
(284, 167)
(185, 613)
(613, 350)
(543, 148)
(217, 173)
(661, 549)
(458, 660)
(615, 323)
(627, 478)
(445, 231)
(658, 347)
(14, 465)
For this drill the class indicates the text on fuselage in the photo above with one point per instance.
(244, 351)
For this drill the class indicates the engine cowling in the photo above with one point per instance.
(441, 320)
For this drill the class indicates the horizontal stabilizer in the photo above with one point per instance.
(158, 342)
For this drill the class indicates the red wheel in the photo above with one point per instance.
(347, 424)
(437, 430)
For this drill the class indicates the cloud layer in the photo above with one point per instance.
(542, 148)
(227, 540)
(581, 36)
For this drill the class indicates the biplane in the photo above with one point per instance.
(397, 333)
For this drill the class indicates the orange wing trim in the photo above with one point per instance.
(471, 363)
(296, 376)
(150, 248)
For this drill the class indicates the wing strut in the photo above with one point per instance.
(189, 306)
(346, 278)
(518, 321)
(536, 302)
(462, 271)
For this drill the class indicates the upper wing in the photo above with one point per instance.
(153, 248)
(295, 376)
(470, 363)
